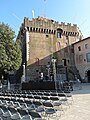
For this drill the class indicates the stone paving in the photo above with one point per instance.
(80, 109)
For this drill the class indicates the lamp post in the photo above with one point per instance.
(66, 74)
(48, 69)
(26, 57)
(27, 45)
(23, 76)
(65, 65)
(54, 71)
(9, 74)
(8, 85)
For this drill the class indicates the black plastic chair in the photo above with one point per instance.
(35, 115)
(49, 110)
(45, 98)
(39, 107)
(29, 105)
(14, 113)
(12, 110)
(63, 99)
(57, 103)
(5, 112)
(23, 114)
(37, 97)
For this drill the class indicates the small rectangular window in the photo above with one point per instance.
(58, 35)
(31, 29)
(80, 58)
(36, 29)
(39, 30)
(52, 31)
(86, 46)
(88, 57)
(44, 30)
(49, 31)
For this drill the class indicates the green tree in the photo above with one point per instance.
(10, 50)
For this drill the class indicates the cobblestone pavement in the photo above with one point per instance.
(80, 109)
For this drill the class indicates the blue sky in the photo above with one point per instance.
(69, 11)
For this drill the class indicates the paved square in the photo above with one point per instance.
(80, 109)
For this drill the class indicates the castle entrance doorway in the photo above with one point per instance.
(88, 75)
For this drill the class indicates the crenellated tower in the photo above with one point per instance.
(42, 39)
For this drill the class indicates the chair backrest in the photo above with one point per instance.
(7, 99)
(40, 93)
(45, 98)
(37, 97)
(4, 108)
(61, 95)
(22, 112)
(23, 95)
(28, 102)
(37, 103)
(54, 98)
(13, 100)
(34, 93)
(35, 115)
(12, 109)
(46, 93)
(53, 94)
(47, 104)
(20, 101)
(30, 96)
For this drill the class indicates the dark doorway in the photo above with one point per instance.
(88, 75)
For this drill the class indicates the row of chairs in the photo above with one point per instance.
(47, 102)
(28, 91)
(46, 95)
(34, 92)
(11, 113)
(38, 107)
(41, 96)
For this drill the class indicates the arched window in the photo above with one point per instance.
(59, 32)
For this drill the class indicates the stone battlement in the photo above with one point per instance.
(43, 20)
(49, 26)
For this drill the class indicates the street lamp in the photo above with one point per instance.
(65, 65)
(25, 32)
(27, 45)
(23, 76)
(54, 71)
(48, 69)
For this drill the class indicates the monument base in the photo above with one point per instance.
(39, 85)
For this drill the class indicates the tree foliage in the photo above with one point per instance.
(10, 50)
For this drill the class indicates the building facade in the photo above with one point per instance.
(44, 39)
(82, 58)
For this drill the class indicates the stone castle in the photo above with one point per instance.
(44, 39)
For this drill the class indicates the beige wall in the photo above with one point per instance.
(82, 65)
(42, 47)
